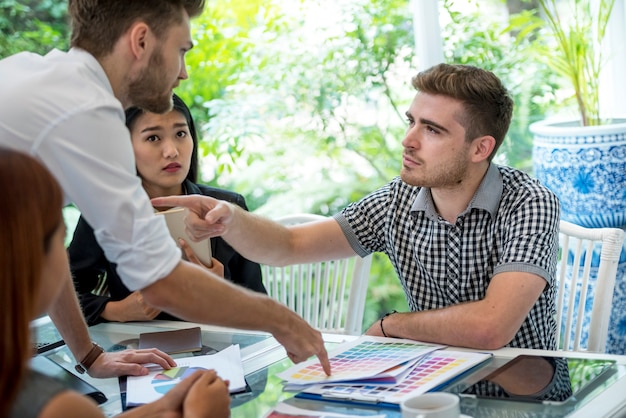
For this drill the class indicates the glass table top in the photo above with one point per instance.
(263, 358)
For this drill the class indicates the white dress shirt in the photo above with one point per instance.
(61, 109)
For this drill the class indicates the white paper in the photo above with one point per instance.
(227, 364)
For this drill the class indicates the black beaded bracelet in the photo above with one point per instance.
(381, 321)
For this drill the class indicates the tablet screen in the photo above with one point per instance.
(48, 367)
(541, 379)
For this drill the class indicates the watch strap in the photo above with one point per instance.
(89, 359)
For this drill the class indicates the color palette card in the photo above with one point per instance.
(388, 377)
(364, 358)
(434, 370)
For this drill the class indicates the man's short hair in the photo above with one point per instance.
(97, 25)
(488, 107)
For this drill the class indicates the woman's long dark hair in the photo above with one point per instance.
(133, 112)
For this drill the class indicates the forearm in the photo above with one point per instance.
(258, 239)
(196, 295)
(489, 323)
(113, 311)
(470, 324)
(271, 243)
(68, 318)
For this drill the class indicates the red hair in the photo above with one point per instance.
(30, 215)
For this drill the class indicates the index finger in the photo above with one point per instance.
(184, 201)
(323, 358)
(154, 355)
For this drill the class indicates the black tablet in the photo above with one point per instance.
(48, 367)
(542, 379)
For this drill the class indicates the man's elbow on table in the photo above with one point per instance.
(491, 334)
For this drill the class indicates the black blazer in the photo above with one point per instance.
(89, 264)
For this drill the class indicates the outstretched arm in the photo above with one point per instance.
(258, 238)
(197, 295)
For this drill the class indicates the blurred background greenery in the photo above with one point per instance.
(301, 103)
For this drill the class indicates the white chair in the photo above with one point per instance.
(329, 295)
(575, 271)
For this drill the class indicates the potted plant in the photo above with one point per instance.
(583, 160)
(578, 53)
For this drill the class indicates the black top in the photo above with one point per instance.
(89, 264)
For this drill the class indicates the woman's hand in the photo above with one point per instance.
(202, 395)
(131, 308)
(189, 255)
(208, 397)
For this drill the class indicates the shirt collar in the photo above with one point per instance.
(93, 64)
(487, 197)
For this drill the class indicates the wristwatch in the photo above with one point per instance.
(89, 359)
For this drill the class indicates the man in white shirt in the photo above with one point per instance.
(67, 109)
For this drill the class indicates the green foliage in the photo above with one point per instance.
(32, 25)
(323, 101)
(575, 51)
(226, 38)
(471, 38)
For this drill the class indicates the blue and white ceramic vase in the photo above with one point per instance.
(586, 168)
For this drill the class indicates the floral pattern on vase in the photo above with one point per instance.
(586, 168)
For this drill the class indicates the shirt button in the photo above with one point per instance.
(453, 276)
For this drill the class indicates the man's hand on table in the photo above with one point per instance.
(129, 362)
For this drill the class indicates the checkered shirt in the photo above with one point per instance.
(511, 224)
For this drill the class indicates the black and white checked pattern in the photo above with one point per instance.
(558, 389)
(511, 224)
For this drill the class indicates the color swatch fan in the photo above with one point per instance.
(364, 358)
(434, 370)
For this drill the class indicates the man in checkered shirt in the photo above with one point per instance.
(474, 244)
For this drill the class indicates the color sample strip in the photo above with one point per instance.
(366, 358)
(436, 369)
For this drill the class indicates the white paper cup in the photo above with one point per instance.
(431, 405)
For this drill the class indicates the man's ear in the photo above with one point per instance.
(482, 147)
(140, 37)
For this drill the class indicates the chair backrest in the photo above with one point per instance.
(577, 290)
(329, 295)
